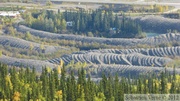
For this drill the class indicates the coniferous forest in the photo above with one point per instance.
(58, 85)
(98, 23)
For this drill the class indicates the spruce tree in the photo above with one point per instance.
(63, 85)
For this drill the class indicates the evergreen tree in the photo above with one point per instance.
(63, 85)
(116, 88)
(163, 83)
(173, 86)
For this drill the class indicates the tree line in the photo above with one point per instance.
(98, 23)
(45, 20)
(62, 85)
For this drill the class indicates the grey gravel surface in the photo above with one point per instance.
(138, 60)
(23, 44)
(157, 23)
(158, 57)
(26, 63)
(153, 41)
(113, 69)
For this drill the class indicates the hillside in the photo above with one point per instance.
(129, 60)
(165, 38)
(81, 50)
(94, 40)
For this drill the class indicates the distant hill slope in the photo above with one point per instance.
(23, 44)
(169, 1)
(153, 41)
(26, 63)
(158, 24)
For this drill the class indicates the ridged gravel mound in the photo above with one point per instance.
(158, 57)
(23, 44)
(132, 61)
(26, 63)
(97, 70)
(159, 52)
(123, 61)
(153, 41)
(157, 23)
(109, 58)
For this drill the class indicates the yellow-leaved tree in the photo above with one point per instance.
(59, 95)
(16, 96)
(8, 82)
(48, 69)
(61, 63)
(0, 53)
(42, 46)
(31, 46)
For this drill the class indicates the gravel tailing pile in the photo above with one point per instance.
(138, 60)
(132, 61)
(23, 44)
(158, 57)
(153, 41)
(159, 52)
(135, 59)
(26, 63)
(158, 23)
(97, 70)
